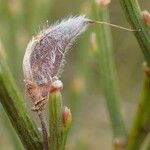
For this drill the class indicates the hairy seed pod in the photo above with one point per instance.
(45, 53)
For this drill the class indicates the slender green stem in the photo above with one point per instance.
(14, 106)
(10, 37)
(141, 123)
(148, 143)
(140, 128)
(65, 138)
(10, 130)
(108, 72)
(134, 15)
(59, 122)
(55, 121)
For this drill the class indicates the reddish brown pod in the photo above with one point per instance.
(45, 53)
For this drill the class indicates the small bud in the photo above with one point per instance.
(103, 2)
(146, 16)
(55, 86)
(93, 41)
(66, 117)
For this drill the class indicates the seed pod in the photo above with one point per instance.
(45, 53)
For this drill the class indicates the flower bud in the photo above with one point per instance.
(66, 117)
(55, 86)
(146, 16)
(103, 2)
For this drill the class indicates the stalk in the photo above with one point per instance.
(134, 16)
(139, 128)
(148, 145)
(141, 123)
(16, 143)
(108, 73)
(55, 121)
(59, 122)
(44, 130)
(13, 104)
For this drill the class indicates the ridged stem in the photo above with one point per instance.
(58, 134)
(135, 18)
(13, 104)
(141, 123)
(108, 72)
(139, 128)
(16, 143)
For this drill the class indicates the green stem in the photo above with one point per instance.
(148, 143)
(10, 130)
(14, 106)
(108, 72)
(134, 16)
(55, 121)
(141, 124)
(65, 133)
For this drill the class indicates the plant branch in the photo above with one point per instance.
(9, 128)
(135, 18)
(141, 124)
(44, 130)
(108, 72)
(13, 104)
(55, 121)
(59, 121)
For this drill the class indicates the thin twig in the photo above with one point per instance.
(115, 26)
(44, 130)
(141, 124)
(108, 76)
(134, 16)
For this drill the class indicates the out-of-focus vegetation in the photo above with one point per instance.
(91, 129)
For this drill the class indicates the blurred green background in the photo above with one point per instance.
(22, 19)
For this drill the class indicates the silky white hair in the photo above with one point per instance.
(45, 53)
